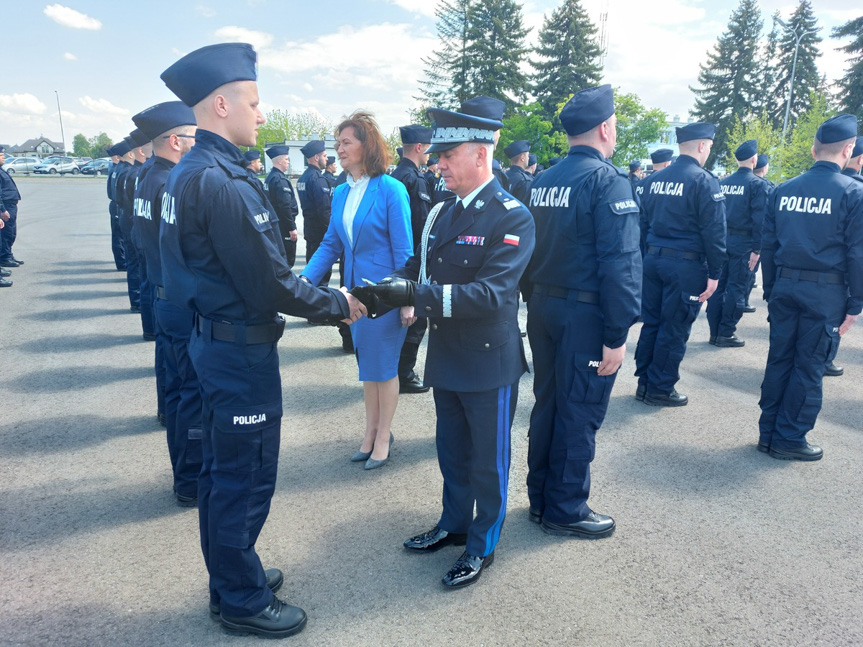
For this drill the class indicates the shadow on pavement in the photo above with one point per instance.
(75, 377)
(80, 295)
(83, 280)
(74, 313)
(70, 433)
(74, 344)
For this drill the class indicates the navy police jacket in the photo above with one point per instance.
(587, 236)
(148, 205)
(315, 198)
(281, 194)
(438, 190)
(9, 194)
(519, 183)
(685, 210)
(815, 222)
(745, 203)
(854, 175)
(222, 253)
(474, 264)
(420, 199)
(118, 180)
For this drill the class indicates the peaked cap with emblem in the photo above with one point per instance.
(517, 148)
(746, 150)
(313, 148)
(697, 130)
(252, 155)
(121, 148)
(478, 121)
(138, 138)
(198, 73)
(587, 109)
(279, 149)
(162, 117)
(762, 161)
(661, 155)
(837, 129)
(415, 134)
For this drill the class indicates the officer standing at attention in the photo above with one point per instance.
(762, 168)
(9, 197)
(812, 263)
(330, 174)
(118, 175)
(281, 194)
(416, 140)
(685, 211)
(586, 276)
(116, 234)
(745, 204)
(171, 128)
(223, 258)
(315, 198)
(253, 161)
(431, 173)
(531, 165)
(635, 174)
(519, 178)
(660, 158)
(464, 278)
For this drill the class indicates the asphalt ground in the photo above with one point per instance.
(716, 544)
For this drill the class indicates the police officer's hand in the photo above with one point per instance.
(395, 292)
(711, 288)
(753, 260)
(406, 314)
(5, 216)
(356, 307)
(846, 325)
(612, 358)
(293, 235)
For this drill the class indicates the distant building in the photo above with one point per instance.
(298, 162)
(40, 147)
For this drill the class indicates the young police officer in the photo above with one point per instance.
(223, 258)
(281, 194)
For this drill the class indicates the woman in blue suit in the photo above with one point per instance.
(371, 224)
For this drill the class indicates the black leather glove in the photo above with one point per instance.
(395, 292)
(365, 295)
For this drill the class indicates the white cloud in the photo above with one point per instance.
(259, 39)
(205, 11)
(102, 106)
(69, 56)
(68, 17)
(22, 104)
(416, 6)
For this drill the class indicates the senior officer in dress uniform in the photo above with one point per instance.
(280, 191)
(464, 278)
(586, 277)
(116, 234)
(685, 211)
(315, 198)
(519, 178)
(745, 204)
(9, 197)
(223, 258)
(416, 140)
(171, 128)
(812, 263)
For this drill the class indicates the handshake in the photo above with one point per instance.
(392, 292)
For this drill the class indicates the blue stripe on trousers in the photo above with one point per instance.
(504, 394)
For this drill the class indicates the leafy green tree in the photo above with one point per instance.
(446, 70)
(768, 135)
(806, 77)
(765, 98)
(80, 146)
(851, 85)
(567, 56)
(99, 145)
(797, 155)
(529, 123)
(282, 125)
(728, 80)
(637, 126)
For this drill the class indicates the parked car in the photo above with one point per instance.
(55, 165)
(20, 165)
(96, 167)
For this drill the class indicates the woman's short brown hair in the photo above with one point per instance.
(376, 157)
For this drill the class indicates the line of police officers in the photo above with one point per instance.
(213, 245)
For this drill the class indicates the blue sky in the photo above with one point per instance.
(104, 58)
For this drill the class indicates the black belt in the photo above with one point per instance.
(563, 293)
(259, 334)
(160, 293)
(810, 275)
(675, 253)
(740, 232)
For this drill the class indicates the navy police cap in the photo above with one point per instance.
(252, 155)
(138, 138)
(432, 160)
(121, 148)
(198, 73)
(554, 160)
(111, 150)
(697, 130)
(858, 147)
(400, 151)
(634, 165)
(531, 159)
(452, 129)
(415, 134)
(279, 149)
(762, 161)
(313, 148)
(587, 109)
(837, 129)
(129, 142)
(746, 150)
(330, 160)
(485, 107)
(160, 118)
(516, 148)
(661, 155)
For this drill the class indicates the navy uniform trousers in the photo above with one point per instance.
(182, 395)
(804, 329)
(9, 232)
(725, 306)
(242, 413)
(571, 403)
(147, 295)
(116, 238)
(473, 448)
(133, 264)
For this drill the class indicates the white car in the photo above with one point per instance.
(55, 165)
(20, 165)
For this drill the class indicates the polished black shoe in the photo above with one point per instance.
(5, 283)
(594, 526)
(712, 340)
(186, 501)
(640, 390)
(466, 570)
(278, 620)
(9, 264)
(412, 385)
(434, 539)
(806, 453)
(673, 399)
(729, 342)
(5, 273)
(17, 260)
(749, 309)
(833, 370)
(534, 515)
(275, 579)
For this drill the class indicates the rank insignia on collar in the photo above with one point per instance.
(479, 204)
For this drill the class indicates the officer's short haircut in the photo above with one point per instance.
(376, 157)
(834, 148)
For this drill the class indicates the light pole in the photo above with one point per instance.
(797, 38)
(60, 115)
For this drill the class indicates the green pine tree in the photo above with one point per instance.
(447, 69)
(766, 99)
(851, 85)
(806, 77)
(728, 79)
(567, 56)
(496, 51)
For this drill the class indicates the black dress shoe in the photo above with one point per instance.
(186, 500)
(275, 579)
(5, 273)
(19, 261)
(534, 515)
(712, 340)
(640, 390)
(5, 283)
(412, 385)
(749, 309)
(729, 342)
(466, 570)
(434, 539)
(673, 399)
(806, 453)
(278, 620)
(9, 263)
(833, 370)
(594, 526)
